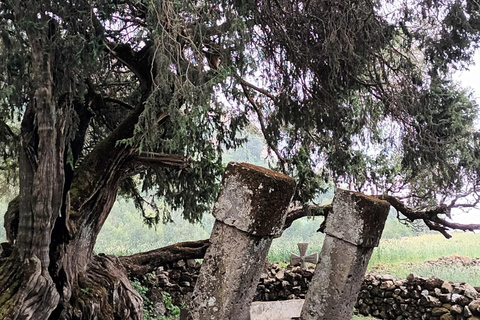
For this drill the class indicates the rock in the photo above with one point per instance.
(446, 316)
(466, 312)
(460, 299)
(191, 263)
(458, 288)
(432, 283)
(387, 285)
(438, 311)
(280, 275)
(456, 309)
(410, 278)
(446, 287)
(156, 297)
(474, 307)
(387, 277)
(470, 291)
(447, 297)
(179, 264)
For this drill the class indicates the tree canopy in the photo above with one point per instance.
(355, 91)
(358, 92)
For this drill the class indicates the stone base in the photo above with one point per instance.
(276, 310)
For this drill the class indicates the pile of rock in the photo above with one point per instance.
(385, 297)
(177, 278)
(283, 283)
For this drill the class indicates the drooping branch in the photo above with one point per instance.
(431, 216)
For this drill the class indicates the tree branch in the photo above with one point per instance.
(254, 87)
(140, 264)
(120, 103)
(138, 62)
(263, 127)
(162, 160)
(298, 212)
(431, 217)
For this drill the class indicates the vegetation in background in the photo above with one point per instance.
(124, 233)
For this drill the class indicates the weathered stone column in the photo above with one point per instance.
(250, 211)
(352, 230)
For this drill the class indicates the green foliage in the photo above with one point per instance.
(371, 107)
(173, 312)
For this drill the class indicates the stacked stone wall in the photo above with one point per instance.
(385, 297)
(381, 296)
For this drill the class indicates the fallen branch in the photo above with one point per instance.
(145, 262)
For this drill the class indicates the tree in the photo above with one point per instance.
(100, 97)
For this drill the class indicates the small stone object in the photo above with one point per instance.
(301, 259)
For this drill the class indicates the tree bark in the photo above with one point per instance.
(52, 272)
(142, 263)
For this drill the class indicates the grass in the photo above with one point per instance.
(407, 255)
(425, 247)
(400, 257)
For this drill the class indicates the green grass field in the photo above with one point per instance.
(399, 257)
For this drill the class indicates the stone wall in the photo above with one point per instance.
(385, 297)
(381, 296)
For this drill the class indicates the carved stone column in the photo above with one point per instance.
(250, 211)
(352, 230)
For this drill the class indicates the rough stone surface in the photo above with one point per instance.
(250, 211)
(353, 229)
(357, 218)
(277, 310)
(252, 199)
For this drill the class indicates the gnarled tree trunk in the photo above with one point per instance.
(52, 272)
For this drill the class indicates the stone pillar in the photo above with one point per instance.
(250, 211)
(352, 230)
